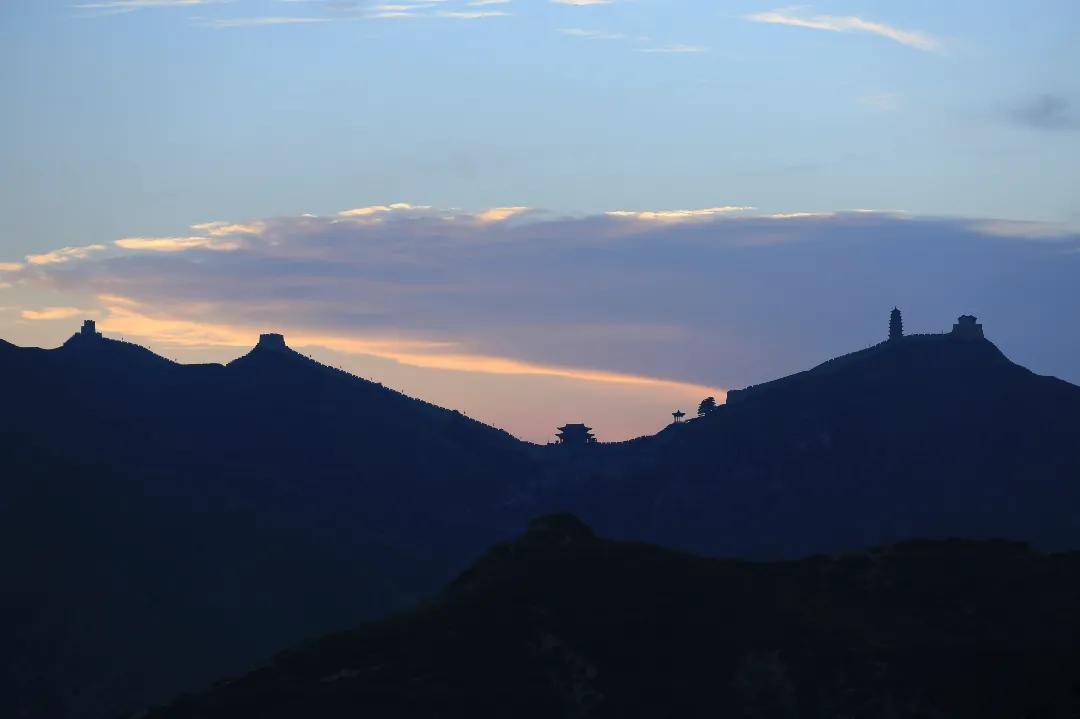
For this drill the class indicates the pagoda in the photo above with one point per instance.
(896, 325)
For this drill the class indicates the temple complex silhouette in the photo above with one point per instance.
(967, 327)
(576, 435)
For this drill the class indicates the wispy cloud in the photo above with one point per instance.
(848, 24)
(56, 313)
(591, 34)
(643, 41)
(674, 49)
(677, 215)
(471, 14)
(501, 214)
(1046, 112)
(177, 244)
(64, 254)
(374, 211)
(1028, 230)
(218, 228)
(262, 21)
(581, 3)
(112, 7)
(406, 9)
(126, 317)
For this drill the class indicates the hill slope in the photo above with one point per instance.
(223, 510)
(272, 428)
(928, 436)
(562, 624)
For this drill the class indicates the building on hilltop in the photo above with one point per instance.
(272, 341)
(576, 435)
(89, 330)
(967, 327)
(896, 325)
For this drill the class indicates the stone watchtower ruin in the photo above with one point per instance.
(273, 342)
(88, 332)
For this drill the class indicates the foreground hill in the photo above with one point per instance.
(562, 624)
(922, 436)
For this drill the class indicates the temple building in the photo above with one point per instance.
(967, 327)
(576, 435)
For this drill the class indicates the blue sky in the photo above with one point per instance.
(129, 119)
(145, 121)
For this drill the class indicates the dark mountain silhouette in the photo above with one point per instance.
(272, 424)
(560, 623)
(226, 511)
(921, 436)
(220, 510)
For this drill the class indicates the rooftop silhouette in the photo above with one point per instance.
(272, 341)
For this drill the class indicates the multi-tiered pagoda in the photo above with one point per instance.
(896, 325)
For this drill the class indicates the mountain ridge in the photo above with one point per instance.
(916, 437)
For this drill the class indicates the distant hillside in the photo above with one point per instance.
(560, 623)
(924, 436)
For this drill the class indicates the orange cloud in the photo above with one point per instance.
(500, 214)
(374, 210)
(224, 229)
(124, 318)
(55, 313)
(176, 244)
(64, 254)
(677, 215)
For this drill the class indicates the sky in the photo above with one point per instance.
(542, 211)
